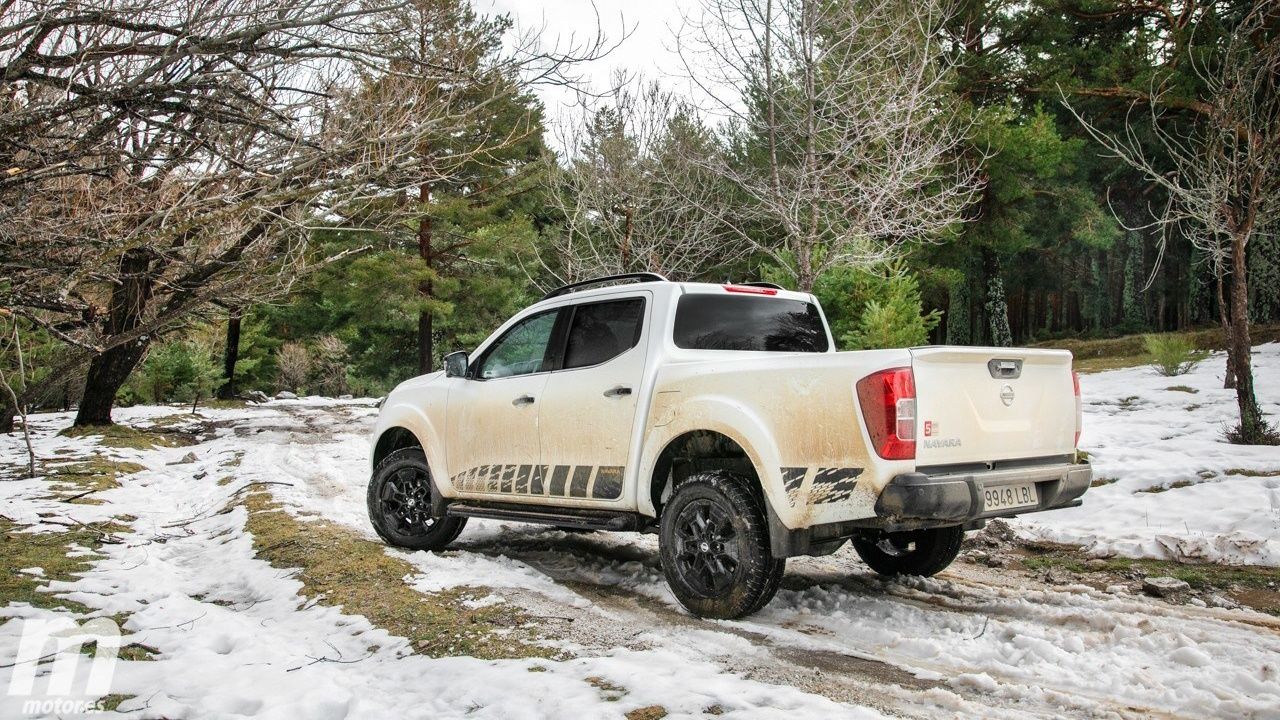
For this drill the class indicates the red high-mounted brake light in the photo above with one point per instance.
(1075, 382)
(750, 290)
(888, 400)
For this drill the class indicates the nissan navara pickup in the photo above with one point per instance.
(722, 418)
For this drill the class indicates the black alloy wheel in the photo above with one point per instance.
(399, 503)
(714, 545)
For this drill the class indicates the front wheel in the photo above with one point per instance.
(913, 552)
(714, 545)
(399, 501)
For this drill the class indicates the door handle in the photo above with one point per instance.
(523, 400)
(617, 391)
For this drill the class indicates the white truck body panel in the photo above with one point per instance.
(965, 414)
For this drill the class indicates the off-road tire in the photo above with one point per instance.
(915, 552)
(702, 580)
(402, 524)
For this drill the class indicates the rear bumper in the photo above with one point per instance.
(941, 497)
(957, 497)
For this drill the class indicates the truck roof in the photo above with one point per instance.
(756, 290)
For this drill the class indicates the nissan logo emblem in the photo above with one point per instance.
(1006, 395)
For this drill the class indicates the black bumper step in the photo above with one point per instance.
(560, 517)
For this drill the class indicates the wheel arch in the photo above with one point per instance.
(698, 451)
(404, 424)
(393, 438)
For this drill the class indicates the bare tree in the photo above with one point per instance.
(163, 159)
(844, 138)
(635, 192)
(1222, 178)
(293, 362)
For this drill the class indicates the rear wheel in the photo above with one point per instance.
(399, 501)
(914, 552)
(714, 545)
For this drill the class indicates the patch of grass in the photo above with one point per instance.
(47, 550)
(1047, 562)
(609, 692)
(1088, 365)
(75, 482)
(649, 712)
(1128, 403)
(112, 702)
(124, 436)
(338, 567)
(1099, 482)
(1251, 585)
(1166, 488)
(1247, 472)
(1182, 388)
(1134, 346)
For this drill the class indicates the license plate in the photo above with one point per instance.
(1004, 497)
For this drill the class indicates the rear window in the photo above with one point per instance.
(729, 322)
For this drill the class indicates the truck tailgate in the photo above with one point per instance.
(988, 404)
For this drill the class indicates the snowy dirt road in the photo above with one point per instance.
(235, 639)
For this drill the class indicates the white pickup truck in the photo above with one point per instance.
(722, 418)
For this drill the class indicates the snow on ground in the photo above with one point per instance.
(1180, 491)
(237, 640)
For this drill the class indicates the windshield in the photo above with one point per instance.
(727, 322)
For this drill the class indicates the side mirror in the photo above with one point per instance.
(455, 364)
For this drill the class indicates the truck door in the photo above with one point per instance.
(493, 413)
(589, 405)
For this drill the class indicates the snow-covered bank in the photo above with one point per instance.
(1179, 490)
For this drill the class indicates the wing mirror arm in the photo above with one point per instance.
(456, 364)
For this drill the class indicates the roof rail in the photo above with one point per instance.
(774, 286)
(643, 277)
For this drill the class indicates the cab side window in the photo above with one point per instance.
(521, 350)
(602, 331)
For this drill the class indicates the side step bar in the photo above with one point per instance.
(560, 517)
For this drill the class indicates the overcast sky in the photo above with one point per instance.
(649, 49)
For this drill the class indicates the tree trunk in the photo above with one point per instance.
(1229, 382)
(426, 328)
(997, 306)
(230, 355)
(107, 374)
(109, 371)
(1253, 429)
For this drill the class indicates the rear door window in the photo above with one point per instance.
(706, 321)
(602, 331)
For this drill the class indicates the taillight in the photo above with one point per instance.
(750, 289)
(1075, 382)
(888, 400)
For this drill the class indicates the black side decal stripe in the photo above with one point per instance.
(558, 478)
(581, 475)
(608, 485)
(578, 481)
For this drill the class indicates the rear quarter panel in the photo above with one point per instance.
(795, 415)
